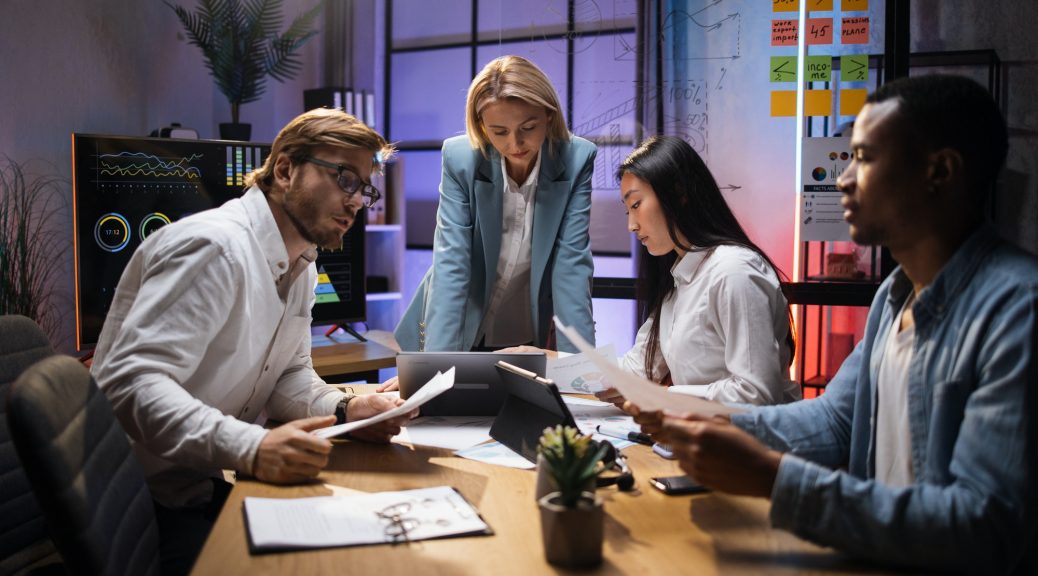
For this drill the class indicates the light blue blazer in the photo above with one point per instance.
(449, 305)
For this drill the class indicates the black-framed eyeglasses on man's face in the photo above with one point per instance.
(350, 181)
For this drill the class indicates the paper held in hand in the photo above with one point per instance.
(646, 395)
(437, 385)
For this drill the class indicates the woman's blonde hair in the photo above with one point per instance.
(511, 77)
(320, 127)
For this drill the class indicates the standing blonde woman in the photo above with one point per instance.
(512, 245)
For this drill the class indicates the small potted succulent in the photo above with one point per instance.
(572, 517)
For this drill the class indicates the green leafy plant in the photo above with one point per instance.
(572, 461)
(240, 43)
(30, 245)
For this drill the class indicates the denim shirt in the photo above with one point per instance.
(971, 401)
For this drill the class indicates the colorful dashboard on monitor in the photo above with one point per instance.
(125, 188)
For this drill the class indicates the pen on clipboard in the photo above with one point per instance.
(621, 433)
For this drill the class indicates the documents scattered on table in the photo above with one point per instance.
(451, 432)
(278, 524)
(496, 453)
(439, 384)
(590, 414)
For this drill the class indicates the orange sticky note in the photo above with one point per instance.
(819, 31)
(854, 5)
(819, 5)
(785, 5)
(818, 102)
(854, 30)
(783, 102)
(784, 32)
(852, 100)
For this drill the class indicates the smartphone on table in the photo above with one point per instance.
(675, 485)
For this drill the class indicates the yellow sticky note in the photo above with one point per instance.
(852, 100)
(819, 5)
(818, 102)
(783, 102)
(785, 5)
(854, 5)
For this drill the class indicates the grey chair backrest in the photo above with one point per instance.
(84, 473)
(24, 541)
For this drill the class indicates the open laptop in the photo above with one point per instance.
(477, 390)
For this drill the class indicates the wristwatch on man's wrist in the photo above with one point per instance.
(340, 409)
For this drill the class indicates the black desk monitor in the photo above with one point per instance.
(124, 188)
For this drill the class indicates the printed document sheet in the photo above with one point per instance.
(439, 384)
(276, 524)
(644, 394)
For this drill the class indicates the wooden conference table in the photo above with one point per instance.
(646, 532)
(352, 360)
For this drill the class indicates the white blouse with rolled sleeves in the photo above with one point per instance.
(722, 330)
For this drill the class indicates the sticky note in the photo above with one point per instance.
(785, 5)
(819, 68)
(784, 32)
(852, 100)
(819, 31)
(854, 30)
(784, 103)
(854, 68)
(819, 5)
(816, 102)
(854, 5)
(783, 69)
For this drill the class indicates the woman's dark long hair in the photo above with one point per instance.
(692, 205)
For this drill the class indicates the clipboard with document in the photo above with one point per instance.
(283, 524)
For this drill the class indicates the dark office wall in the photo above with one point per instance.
(1007, 27)
(111, 66)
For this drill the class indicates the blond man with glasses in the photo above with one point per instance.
(210, 327)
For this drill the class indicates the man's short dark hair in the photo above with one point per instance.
(954, 112)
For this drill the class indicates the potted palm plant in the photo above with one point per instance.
(571, 518)
(240, 43)
(31, 242)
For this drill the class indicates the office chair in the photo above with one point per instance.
(86, 478)
(24, 542)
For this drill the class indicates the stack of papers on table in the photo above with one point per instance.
(278, 524)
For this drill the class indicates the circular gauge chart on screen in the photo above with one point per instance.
(112, 232)
(151, 223)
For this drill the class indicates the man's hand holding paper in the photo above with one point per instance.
(403, 411)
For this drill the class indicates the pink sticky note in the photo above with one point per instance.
(855, 30)
(819, 31)
(784, 32)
